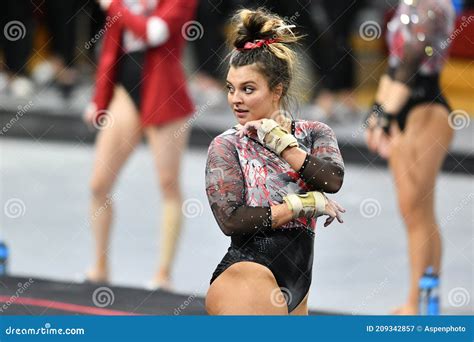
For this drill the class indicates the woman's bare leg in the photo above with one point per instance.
(415, 161)
(245, 288)
(114, 144)
(168, 144)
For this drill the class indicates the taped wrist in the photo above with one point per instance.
(274, 137)
(383, 119)
(310, 204)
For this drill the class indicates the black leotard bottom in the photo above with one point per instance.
(426, 90)
(288, 253)
(129, 74)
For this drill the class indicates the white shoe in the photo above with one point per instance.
(156, 285)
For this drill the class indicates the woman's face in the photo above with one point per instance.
(249, 95)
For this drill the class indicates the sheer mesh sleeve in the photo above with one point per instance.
(323, 168)
(226, 192)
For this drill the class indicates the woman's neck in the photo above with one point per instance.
(284, 121)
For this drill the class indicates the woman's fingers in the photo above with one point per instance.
(368, 137)
(338, 206)
(247, 128)
(341, 209)
(330, 211)
(328, 221)
(334, 211)
(383, 147)
(372, 140)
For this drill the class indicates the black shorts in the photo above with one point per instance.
(287, 253)
(129, 74)
(425, 90)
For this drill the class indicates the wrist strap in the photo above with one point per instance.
(383, 119)
(275, 137)
(310, 204)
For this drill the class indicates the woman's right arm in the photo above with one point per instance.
(226, 192)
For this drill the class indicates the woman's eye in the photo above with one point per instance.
(229, 89)
(248, 90)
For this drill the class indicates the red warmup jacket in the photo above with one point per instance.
(164, 95)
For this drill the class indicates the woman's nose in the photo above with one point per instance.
(236, 98)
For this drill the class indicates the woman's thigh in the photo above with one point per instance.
(168, 143)
(116, 139)
(418, 153)
(245, 288)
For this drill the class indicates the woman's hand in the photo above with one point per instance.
(333, 210)
(248, 128)
(314, 204)
(379, 142)
(371, 133)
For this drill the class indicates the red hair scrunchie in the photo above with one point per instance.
(258, 44)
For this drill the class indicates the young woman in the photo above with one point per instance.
(140, 91)
(409, 126)
(266, 178)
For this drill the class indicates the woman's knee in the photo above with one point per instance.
(415, 207)
(169, 184)
(100, 187)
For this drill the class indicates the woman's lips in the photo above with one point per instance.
(241, 113)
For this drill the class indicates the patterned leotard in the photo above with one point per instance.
(244, 178)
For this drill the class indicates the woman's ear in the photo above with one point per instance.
(278, 92)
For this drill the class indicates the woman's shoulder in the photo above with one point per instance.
(311, 125)
(227, 138)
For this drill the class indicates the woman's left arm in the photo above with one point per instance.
(322, 169)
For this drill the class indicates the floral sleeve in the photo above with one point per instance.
(226, 192)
